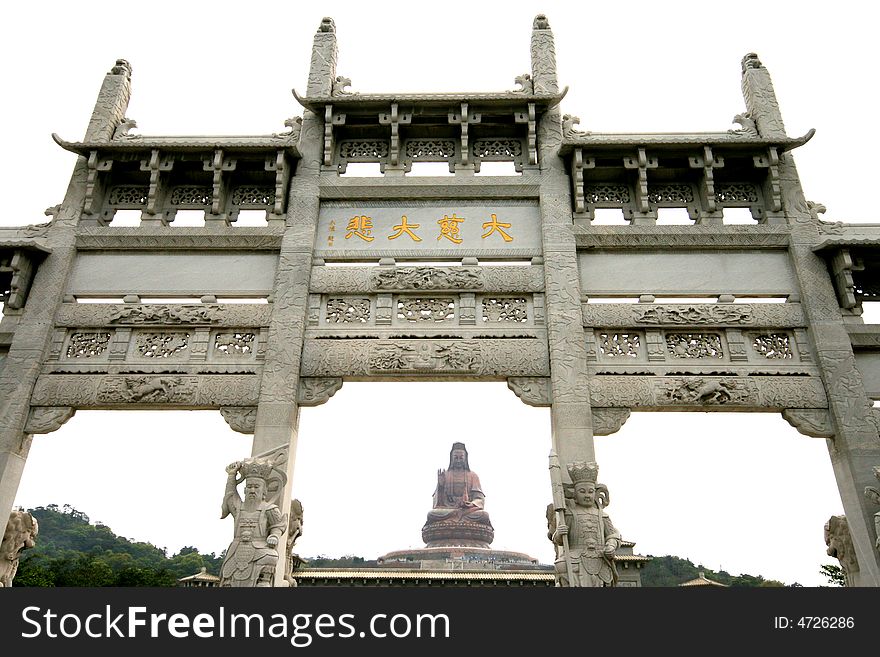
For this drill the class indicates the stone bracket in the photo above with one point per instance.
(464, 118)
(19, 272)
(242, 419)
(609, 420)
(707, 162)
(314, 391)
(842, 267)
(532, 390)
(46, 419)
(813, 422)
(578, 164)
(156, 165)
(641, 163)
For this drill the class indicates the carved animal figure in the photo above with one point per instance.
(840, 546)
(569, 121)
(339, 85)
(122, 67)
(20, 534)
(816, 209)
(527, 85)
(703, 392)
(541, 23)
(294, 125)
(158, 388)
(122, 130)
(748, 127)
(710, 392)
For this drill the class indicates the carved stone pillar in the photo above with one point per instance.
(322, 69)
(543, 57)
(278, 409)
(570, 412)
(855, 447)
(32, 341)
(111, 103)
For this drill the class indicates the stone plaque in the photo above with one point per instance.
(429, 229)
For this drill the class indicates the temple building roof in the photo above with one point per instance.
(702, 580)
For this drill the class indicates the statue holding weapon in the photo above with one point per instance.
(588, 538)
(556, 518)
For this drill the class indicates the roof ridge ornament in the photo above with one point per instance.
(339, 85)
(122, 130)
(527, 85)
(747, 128)
(569, 121)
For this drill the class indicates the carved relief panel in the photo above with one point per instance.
(87, 345)
(695, 346)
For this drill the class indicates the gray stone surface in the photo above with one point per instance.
(383, 311)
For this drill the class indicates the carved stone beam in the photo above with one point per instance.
(218, 165)
(94, 197)
(242, 419)
(156, 165)
(46, 419)
(813, 422)
(842, 272)
(609, 420)
(528, 117)
(772, 189)
(330, 120)
(707, 162)
(278, 164)
(532, 390)
(464, 118)
(578, 164)
(641, 163)
(395, 119)
(314, 391)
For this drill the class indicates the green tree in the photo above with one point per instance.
(834, 574)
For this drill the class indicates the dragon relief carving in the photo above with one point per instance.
(162, 314)
(430, 357)
(428, 278)
(696, 314)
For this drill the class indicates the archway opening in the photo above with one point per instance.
(741, 492)
(150, 476)
(367, 465)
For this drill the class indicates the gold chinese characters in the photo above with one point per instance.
(450, 228)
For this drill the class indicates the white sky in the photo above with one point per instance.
(738, 491)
